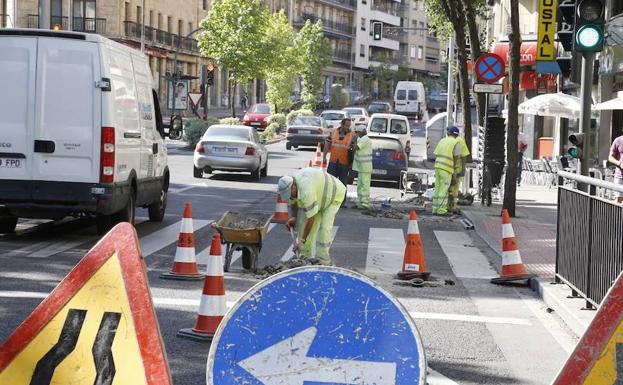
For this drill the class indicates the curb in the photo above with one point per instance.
(275, 140)
(555, 296)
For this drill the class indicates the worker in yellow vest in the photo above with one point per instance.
(319, 196)
(363, 165)
(447, 155)
(459, 173)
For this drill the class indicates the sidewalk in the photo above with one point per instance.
(535, 230)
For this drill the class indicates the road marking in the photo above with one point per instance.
(289, 254)
(186, 188)
(385, 250)
(165, 236)
(470, 318)
(46, 249)
(465, 258)
(436, 378)
(202, 257)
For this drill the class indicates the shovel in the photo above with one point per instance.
(296, 252)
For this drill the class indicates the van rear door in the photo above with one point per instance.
(67, 126)
(18, 60)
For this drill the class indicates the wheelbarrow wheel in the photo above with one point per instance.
(248, 260)
(227, 260)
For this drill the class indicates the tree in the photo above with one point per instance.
(512, 125)
(314, 53)
(475, 10)
(281, 74)
(234, 36)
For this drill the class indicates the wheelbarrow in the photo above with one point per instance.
(243, 232)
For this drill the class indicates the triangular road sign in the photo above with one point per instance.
(98, 326)
(195, 98)
(598, 357)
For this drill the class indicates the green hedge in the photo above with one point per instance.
(296, 113)
(270, 131)
(230, 121)
(195, 128)
(280, 119)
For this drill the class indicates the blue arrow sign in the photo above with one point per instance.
(317, 325)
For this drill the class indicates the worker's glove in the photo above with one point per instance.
(298, 246)
(291, 224)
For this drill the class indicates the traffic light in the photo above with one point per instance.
(577, 140)
(377, 30)
(589, 26)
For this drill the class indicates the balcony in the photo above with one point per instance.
(346, 4)
(394, 33)
(79, 24)
(386, 8)
(342, 55)
(329, 26)
(160, 37)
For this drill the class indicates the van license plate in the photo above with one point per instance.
(11, 163)
(307, 132)
(379, 172)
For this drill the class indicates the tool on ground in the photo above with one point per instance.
(212, 306)
(281, 211)
(414, 263)
(512, 266)
(185, 264)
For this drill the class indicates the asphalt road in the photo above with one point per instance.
(473, 332)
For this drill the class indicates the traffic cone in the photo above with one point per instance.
(324, 166)
(318, 157)
(414, 263)
(310, 163)
(212, 306)
(185, 264)
(281, 211)
(512, 267)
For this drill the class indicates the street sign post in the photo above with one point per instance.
(486, 88)
(317, 325)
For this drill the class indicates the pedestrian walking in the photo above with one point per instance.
(459, 173)
(447, 154)
(319, 196)
(616, 158)
(243, 101)
(363, 165)
(339, 144)
(522, 141)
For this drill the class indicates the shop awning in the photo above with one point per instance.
(612, 104)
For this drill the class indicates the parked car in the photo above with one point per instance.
(410, 98)
(391, 126)
(230, 148)
(359, 114)
(388, 160)
(307, 131)
(380, 108)
(257, 116)
(81, 130)
(334, 117)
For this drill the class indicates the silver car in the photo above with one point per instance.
(307, 131)
(231, 148)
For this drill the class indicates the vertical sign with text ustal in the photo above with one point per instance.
(547, 29)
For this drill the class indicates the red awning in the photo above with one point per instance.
(527, 50)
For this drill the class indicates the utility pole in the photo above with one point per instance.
(70, 17)
(44, 14)
(449, 102)
(586, 85)
(143, 26)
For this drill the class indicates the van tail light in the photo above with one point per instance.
(250, 151)
(107, 155)
(398, 156)
(199, 148)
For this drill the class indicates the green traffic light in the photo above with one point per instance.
(590, 36)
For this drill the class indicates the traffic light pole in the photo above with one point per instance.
(586, 85)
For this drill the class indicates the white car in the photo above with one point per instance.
(334, 117)
(359, 114)
(81, 130)
(391, 126)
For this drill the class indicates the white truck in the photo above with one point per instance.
(80, 130)
(410, 99)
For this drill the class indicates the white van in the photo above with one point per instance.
(80, 130)
(391, 126)
(410, 98)
(436, 129)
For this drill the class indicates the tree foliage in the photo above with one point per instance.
(285, 63)
(314, 52)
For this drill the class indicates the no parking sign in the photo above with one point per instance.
(317, 324)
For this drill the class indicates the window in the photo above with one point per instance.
(420, 52)
(56, 15)
(363, 24)
(413, 25)
(151, 17)
(412, 95)
(415, 4)
(180, 26)
(169, 24)
(139, 14)
(379, 125)
(401, 95)
(398, 126)
(413, 52)
(362, 50)
(422, 28)
(159, 20)
(205, 5)
(86, 8)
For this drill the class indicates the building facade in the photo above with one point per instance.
(420, 51)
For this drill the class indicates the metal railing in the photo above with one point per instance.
(327, 25)
(350, 4)
(158, 36)
(386, 8)
(342, 55)
(79, 24)
(589, 242)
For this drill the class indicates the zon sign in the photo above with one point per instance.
(547, 30)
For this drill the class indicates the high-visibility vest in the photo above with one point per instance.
(444, 154)
(339, 148)
(458, 167)
(317, 190)
(363, 155)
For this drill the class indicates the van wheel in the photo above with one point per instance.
(207, 170)
(127, 214)
(197, 172)
(288, 146)
(264, 171)
(156, 210)
(103, 223)
(8, 224)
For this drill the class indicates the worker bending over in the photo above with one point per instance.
(363, 165)
(447, 155)
(319, 196)
(459, 173)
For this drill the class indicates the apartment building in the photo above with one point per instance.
(419, 50)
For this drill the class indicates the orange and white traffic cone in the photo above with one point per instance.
(212, 306)
(310, 163)
(414, 263)
(324, 166)
(281, 211)
(185, 264)
(512, 267)
(318, 157)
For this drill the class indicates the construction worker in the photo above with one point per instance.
(363, 165)
(459, 173)
(447, 155)
(319, 196)
(338, 144)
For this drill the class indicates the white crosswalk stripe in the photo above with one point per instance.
(166, 236)
(289, 254)
(385, 250)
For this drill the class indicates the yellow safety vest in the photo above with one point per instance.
(317, 190)
(363, 155)
(444, 154)
(458, 167)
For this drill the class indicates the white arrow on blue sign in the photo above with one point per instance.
(317, 325)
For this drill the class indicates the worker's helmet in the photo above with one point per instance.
(454, 130)
(284, 187)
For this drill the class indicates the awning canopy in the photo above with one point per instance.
(612, 104)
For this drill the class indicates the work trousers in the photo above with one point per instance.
(340, 171)
(320, 237)
(443, 180)
(454, 193)
(363, 189)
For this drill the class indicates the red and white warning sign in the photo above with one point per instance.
(98, 326)
(195, 98)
